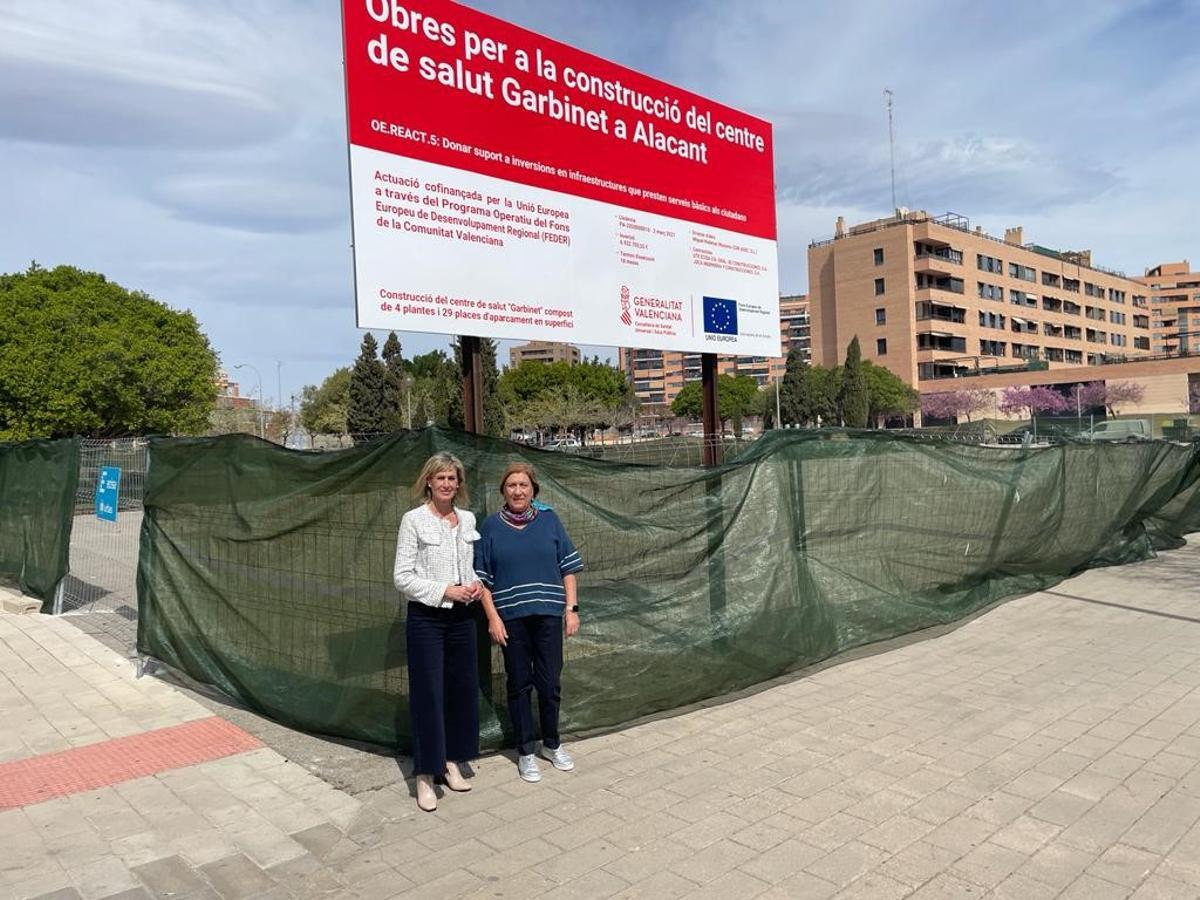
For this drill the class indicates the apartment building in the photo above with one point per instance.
(659, 375)
(931, 298)
(543, 351)
(1174, 307)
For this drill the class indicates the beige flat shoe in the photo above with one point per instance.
(426, 798)
(454, 778)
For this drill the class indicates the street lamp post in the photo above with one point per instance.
(260, 393)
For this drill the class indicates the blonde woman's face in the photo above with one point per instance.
(443, 485)
(518, 492)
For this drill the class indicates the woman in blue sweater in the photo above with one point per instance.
(527, 565)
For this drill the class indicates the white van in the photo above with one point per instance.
(1118, 430)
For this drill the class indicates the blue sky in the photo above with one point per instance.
(195, 149)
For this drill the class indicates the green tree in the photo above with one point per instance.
(689, 402)
(436, 388)
(792, 406)
(323, 410)
(887, 395)
(80, 354)
(809, 394)
(737, 397)
(853, 396)
(580, 397)
(368, 387)
(395, 379)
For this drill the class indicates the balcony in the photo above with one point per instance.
(941, 312)
(939, 283)
(941, 341)
(1023, 326)
(941, 260)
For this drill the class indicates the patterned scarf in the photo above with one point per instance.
(513, 518)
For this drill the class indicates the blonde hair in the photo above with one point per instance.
(525, 469)
(441, 462)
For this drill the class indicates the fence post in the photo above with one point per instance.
(58, 597)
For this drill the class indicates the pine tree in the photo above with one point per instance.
(368, 384)
(493, 407)
(791, 392)
(393, 401)
(854, 398)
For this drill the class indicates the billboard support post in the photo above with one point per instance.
(472, 384)
(708, 400)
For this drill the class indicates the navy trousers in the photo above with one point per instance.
(533, 658)
(443, 686)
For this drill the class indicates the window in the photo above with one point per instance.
(991, 320)
(1051, 280)
(1141, 343)
(989, 264)
(990, 291)
(1116, 318)
(1118, 340)
(879, 256)
(881, 346)
(1093, 290)
(1116, 296)
(1016, 270)
(992, 348)
(881, 316)
(1020, 298)
(1073, 356)
(1071, 284)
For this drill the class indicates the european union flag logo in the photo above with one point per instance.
(720, 316)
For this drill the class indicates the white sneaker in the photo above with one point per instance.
(559, 757)
(527, 768)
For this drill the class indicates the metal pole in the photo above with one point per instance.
(709, 406)
(472, 384)
(891, 145)
(278, 385)
(258, 375)
(778, 385)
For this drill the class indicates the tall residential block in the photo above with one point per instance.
(1174, 307)
(543, 351)
(659, 375)
(932, 298)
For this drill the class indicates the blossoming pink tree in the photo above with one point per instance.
(1121, 392)
(1031, 401)
(952, 404)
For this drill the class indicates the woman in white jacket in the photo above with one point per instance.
(435, 571)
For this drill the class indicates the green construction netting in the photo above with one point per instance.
(37, 499)
(267, 572)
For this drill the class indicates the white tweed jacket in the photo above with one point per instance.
(431, 556)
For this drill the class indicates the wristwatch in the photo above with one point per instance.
(573, 609)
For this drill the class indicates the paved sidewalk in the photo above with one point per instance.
(1050, 748)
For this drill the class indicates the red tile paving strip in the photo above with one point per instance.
(40, 778)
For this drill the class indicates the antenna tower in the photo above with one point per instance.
(891, 143)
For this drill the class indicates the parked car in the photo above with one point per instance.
(1119, 430)
(563, 444)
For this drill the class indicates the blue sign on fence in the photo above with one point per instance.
(107, 489)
